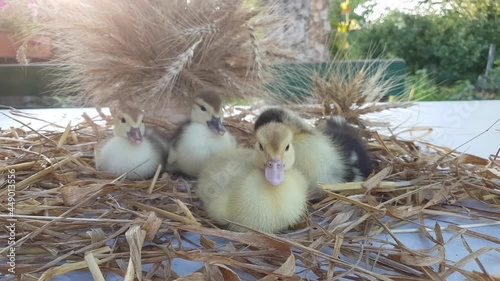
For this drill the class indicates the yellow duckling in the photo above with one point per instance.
(332, 155)
(258, 188)
(132, 148)
(201, 137)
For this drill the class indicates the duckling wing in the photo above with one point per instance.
(318, 159)
(171, 157)
(177, 136)
(160, 141)
(219, 176)
(349, 141)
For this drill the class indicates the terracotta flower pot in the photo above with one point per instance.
(38, 47)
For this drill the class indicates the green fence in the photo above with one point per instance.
(26, 80)
(20, 83)
(28, 86)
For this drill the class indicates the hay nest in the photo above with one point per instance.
(70, 216)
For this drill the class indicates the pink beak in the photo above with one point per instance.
(275, 171)
(135, 135)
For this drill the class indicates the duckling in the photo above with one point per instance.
(200, 137)
(132, 148)
(353, 147)
(258, 188)
(331, 156)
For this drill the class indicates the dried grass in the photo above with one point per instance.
(70, 216)
(158, 53)
(349, 88)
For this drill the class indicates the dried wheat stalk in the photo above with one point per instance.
(339, 87)
(158, 53)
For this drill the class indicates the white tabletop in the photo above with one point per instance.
(453, 123)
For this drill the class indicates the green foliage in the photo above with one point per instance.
(338, 16)
(448, 48)
(489, 85)
(449, 40)
(343, 22)
(483, 14)
(421, 87)
(460, 90)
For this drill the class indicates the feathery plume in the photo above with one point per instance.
(159, 53)
(341, 87)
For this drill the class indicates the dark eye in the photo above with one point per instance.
(261, 147)
(287, 147)
(123, 119)
(203, 108)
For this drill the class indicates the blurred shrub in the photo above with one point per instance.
(448, 48)
(460, 90)
(491, 82)
(421, 87)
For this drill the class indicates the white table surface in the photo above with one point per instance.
(453, 123)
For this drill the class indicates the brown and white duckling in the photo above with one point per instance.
(258, 188)
(132, 148)
(333, 155)
(200, 137)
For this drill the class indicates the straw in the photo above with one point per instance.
(72, 217)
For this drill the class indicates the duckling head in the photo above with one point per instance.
(275, 152)
(130, 125)
(207, 110)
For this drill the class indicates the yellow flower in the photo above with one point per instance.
(342, 27)
(344, 6)
(353, 24)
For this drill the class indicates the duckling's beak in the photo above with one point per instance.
(275, 171)
(135, 135)
(216, 125)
